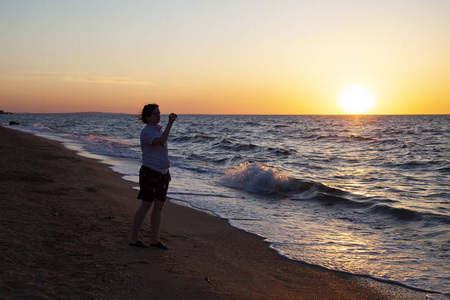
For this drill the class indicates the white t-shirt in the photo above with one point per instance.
(153, 156)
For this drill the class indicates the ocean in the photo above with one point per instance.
(367, 195)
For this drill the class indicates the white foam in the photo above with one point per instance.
(255, 178)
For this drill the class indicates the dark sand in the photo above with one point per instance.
(65, 224)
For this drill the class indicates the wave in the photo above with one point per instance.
(41, 127)
(263, 180)
(255, 178)
(445, 170)
(233, 147)
(340, 138)
(411, 164)
(108, 146)
(358, 137)
(280, 151)
(244, 147)
(409, 215)
(198, 138)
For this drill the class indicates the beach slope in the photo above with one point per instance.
(65, 224)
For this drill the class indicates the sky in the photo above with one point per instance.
(224, 57)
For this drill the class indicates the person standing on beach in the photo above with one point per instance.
(154, 174)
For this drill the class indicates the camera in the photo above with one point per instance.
(174, 115)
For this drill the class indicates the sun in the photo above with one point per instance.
(357, 99)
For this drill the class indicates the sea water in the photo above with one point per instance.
(361, 194)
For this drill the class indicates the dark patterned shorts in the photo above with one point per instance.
(153, 185)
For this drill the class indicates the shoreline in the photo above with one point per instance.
(52, 188)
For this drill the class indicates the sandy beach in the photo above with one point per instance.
(65, 225)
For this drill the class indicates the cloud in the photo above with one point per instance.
(106, 80)
(77, 78)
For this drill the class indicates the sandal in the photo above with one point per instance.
(159, 245)
(139, 244)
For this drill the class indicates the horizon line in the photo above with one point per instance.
(235, 114)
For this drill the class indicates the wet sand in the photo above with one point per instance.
(65, 225)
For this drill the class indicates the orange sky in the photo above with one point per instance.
(235, 57)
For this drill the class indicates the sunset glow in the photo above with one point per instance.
(215, 57)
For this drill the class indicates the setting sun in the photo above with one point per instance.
(357, 99)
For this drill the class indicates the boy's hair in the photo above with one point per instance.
(147, 111)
